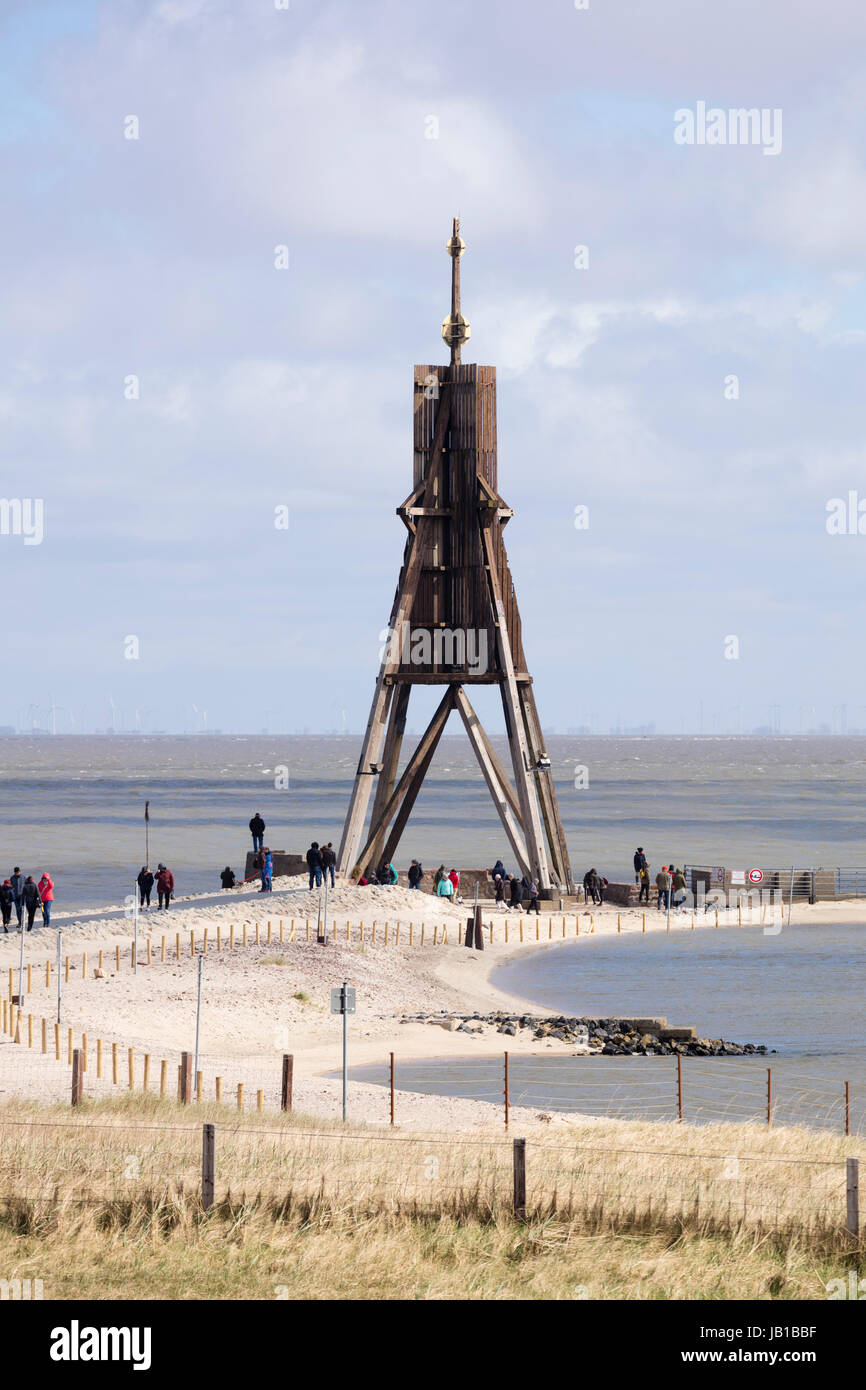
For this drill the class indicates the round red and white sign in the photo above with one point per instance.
(755, 875)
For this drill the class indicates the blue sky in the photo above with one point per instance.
(306, 128)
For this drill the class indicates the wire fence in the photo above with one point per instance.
(52, 1166)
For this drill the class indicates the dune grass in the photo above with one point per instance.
(104, 1202)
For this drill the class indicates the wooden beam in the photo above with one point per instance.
(546, 792)
(420, 759)
(390, 759)
(497, 782)
(529, 817)
(415, 782)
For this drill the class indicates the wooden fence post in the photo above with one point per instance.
(163, 1076)
(680, 1086)
(769, 1095)
(391, 1055)
(185, 1078)
(130, 1057)
(77, 1077)
(519, 1179)
(286, 1086)
(852, 1185)
(847, 1107)
(208, 1165)
(114, 1063)
(240, 1095)
(506, 1091)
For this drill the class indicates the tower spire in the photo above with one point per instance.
(455, 329)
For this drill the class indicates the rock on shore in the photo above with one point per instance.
(606, 1037)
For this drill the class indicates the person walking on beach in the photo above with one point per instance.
(268, 872)
(16, 883)
(329, 862)
(534, 898)
(6, 901)
(30, 900)
(639, 863)
(455, 881)
(644, 880)
(145, 887)
(499, 893)
(46, 897)
(498, 868)
(314, 864)
(516, 894)
(227, 877)
(663, 884)
(164, 886)
(415, 874)
(387, 873)
(680, 890)
(257, 830)
(591, 887)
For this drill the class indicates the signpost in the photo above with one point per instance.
(343, 1002)
(756, 875)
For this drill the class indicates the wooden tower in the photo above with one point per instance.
(455, 623)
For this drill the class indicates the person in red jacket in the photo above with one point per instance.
(46, 897)
(164, 886)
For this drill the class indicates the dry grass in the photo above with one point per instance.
(105, 1203)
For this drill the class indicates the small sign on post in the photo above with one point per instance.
(343, 1000)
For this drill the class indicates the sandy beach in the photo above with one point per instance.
(262, 1000)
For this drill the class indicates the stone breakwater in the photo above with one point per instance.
(606, 1037)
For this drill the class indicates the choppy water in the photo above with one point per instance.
(801, 992)
(76, 805)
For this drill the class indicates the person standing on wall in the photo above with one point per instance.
(257, 830)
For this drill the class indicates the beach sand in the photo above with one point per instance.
(261, 1001)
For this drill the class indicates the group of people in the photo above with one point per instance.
(163, 879)
(25, 895)
(670, 884)
(386, 875)
(321, 861)
(594, 885)
(516, 890)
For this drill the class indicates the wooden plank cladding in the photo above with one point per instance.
(452, 592)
